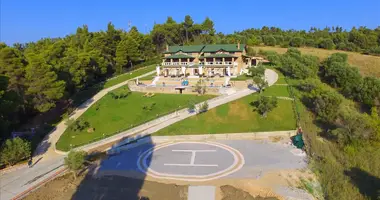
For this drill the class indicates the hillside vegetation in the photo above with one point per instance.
(342, 139)
(368, 65)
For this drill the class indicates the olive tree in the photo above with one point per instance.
(75, 161)
(265, 104)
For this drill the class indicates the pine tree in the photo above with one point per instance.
(43, 85)
(127, 52)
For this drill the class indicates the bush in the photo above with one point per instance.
(296, 42)
(326, 104)
(299, 66)
(203, 107)
(326, 43)
(310, 43)
(269, 40)
(191, 106)
(15, 150)
(78, 125)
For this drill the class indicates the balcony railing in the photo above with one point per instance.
(201, 63)
(221, 63)
(177, 63)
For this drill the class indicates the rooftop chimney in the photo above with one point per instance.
(167, 47)
(238, 44)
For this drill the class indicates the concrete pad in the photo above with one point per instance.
(201, 192)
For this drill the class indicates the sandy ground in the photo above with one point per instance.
(116, 187)
(110, 187)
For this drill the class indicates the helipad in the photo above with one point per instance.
(203, 161)
(190, 161)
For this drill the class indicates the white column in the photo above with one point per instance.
(158, 70)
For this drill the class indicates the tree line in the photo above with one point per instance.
(360, 39)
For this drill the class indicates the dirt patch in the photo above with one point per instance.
(238, 109)
(213, 117)
(231, 193)
(108, 187)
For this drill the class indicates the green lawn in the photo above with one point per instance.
(242, 77)
(109, 116)
(277, 90)
(129, 75)
(238, 116)
(281, 80)
(234, 117)
(85, 94)
(148, 78)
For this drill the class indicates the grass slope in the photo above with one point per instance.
(109, 116)
(238, 116)
(129, 75)
(368, 65)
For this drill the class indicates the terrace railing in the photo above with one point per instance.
(221, 63)
(176, 63)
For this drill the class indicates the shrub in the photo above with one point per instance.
(326, 104)
(299, 66)
(269, 40)
(191, 106)
(296, 42)
(15, 150)
(79, 125)
(326, 43)
(203, 107)
(310, 43)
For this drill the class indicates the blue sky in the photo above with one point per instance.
(30, 20)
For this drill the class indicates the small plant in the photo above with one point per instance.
(149, 107)
(191, 106)
(97, 106)
(203, 107)
(78, 125)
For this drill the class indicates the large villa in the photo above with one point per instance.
(206, 60)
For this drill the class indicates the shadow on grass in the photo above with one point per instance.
(367, 184)
(118, 176)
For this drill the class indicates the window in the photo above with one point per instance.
(232, 52)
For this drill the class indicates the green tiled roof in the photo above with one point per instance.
(206, 48)
(186, 49)
(179, 56)
(224, 47)
(219, 55)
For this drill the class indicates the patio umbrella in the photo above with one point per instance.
(158, 70)
(228, 71)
